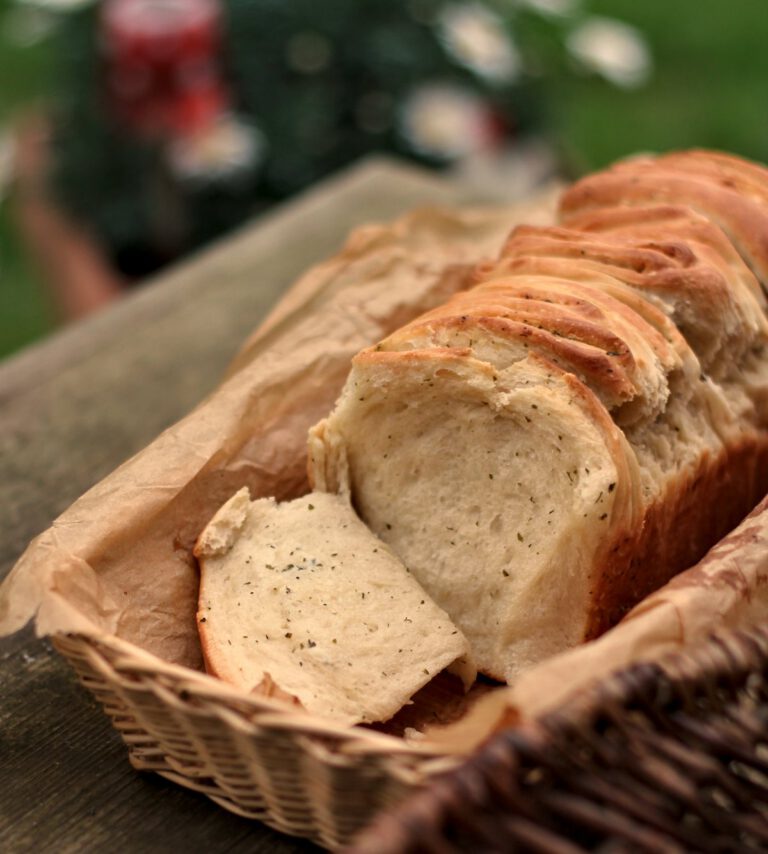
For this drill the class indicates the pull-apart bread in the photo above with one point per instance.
(300, 600)
(553, 444)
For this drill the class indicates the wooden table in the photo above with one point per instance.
(74, 407)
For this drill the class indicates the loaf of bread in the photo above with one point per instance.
(299, 600)
(553, 444)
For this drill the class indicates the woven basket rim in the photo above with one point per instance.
(497, 786)
(234, 704)
(128, 658)
(237, 708)
(727, 652)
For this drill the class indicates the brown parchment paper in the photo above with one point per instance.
(118, 561)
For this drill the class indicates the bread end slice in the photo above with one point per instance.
(300, 600)
(498, 488)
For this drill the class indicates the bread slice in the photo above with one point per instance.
(299, 599)
(495, 486)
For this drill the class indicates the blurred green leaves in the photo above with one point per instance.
(708, 88)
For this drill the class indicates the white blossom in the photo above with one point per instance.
(615, 50)
(445, 121)
(475, 37)
(551, 7)
(227, 148)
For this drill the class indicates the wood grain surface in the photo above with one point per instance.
(73, 408)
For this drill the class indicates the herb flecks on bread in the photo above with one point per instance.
(301, 600)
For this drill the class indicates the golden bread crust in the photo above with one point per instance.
(591, 329)
(677, 529)
(730, 192)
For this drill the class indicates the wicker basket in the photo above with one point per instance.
(656, 758)
(249, 754)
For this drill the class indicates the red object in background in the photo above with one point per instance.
(163, 75)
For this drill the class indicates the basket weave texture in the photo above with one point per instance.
(655, 759)
(248, 754)
(659, 757)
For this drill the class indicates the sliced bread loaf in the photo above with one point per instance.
(299, 599)
(552, 445)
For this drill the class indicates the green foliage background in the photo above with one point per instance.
(26, 312)
(708, 89)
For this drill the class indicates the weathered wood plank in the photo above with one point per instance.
(73, 408)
